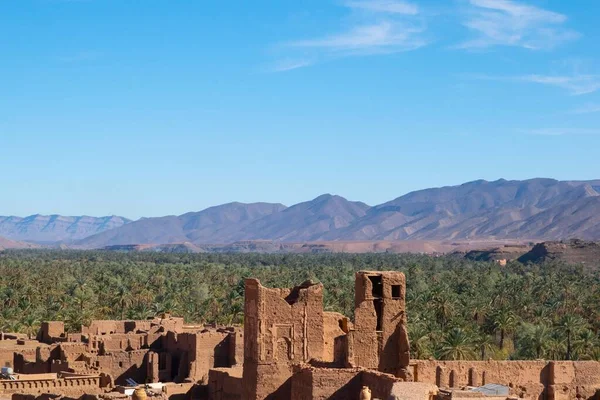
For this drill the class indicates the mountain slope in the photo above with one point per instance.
(56, 228)
(197, 227)
(536, 208)
(12, 244)
(307, 221)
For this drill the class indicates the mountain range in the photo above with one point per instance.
(535, 209)
(56, 228)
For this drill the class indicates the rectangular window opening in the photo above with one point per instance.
(396, 291)
(377, 290)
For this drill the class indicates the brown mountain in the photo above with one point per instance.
(535, 209)
(307, 221)
(12, 244)
(532, 209)
(197, 227)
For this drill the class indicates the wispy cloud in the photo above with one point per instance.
(383, 37)
(288, 65)
(387, 6)
(512, 23)
(379, 27)
(587, 109)
(561, 132)
(576, 84)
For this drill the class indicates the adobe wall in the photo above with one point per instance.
(117, 342)
(103, 327)
(554, 380)
(212, 350)
(236, 347)
(574, 379)
(51, 331)
(66, 386)
(282, 327)
(198, 352)
(326, 383)
(380, 323)
(225, 384)
(107, 327)
(346, 383)
(333, 344)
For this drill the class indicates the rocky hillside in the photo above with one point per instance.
(56, 228)
(532, 209)
(572, 251)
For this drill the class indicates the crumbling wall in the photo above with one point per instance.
(333, 334)
(282, 327)
(379, 338)
(236, 347)
(573, 379)
(225, 384)
(51, 331)
(528, 378)
(103, 327)
(326, 383)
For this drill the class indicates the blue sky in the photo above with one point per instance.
(154, 107)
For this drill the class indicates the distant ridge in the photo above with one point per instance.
(56, 228)
(12, 244)
(536, 209)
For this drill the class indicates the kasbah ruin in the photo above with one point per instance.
(288, 348)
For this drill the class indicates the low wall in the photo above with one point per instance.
(554, 380)
(70, 385)
(326, 383)
(225, 384)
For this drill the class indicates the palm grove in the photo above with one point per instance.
(457, 309)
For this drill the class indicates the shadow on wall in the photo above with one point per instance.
(283, 392)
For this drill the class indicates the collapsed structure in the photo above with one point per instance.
(289, 348)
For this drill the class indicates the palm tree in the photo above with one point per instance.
(585, 345)
(457, 345)
(504, 322)
(420, 342)
(486, 345)
(569, 326)
(535, 340)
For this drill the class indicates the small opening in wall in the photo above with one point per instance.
(120, 364)
(377, 290)
(378, 304)
(396, 291)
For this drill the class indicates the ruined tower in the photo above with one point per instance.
(282, 327)
(379, 339)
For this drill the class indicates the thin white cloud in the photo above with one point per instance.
(561, 132)
(386, 6)
(576, 84)
(288, 65)
(587, 109)
(512, 23)
(378, 27)
(384, 37)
